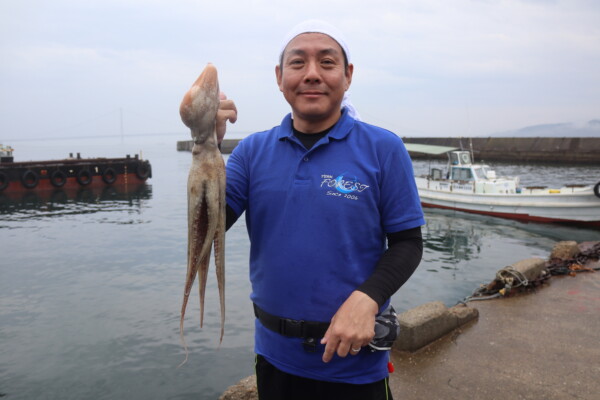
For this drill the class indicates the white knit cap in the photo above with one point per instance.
(317, 26)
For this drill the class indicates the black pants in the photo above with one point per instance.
(274, 384)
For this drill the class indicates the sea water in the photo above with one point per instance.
(91, 286)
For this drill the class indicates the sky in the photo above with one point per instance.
(72, 68)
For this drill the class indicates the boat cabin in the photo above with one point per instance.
(462, 176)
(461, 168)
(6, 153)
(459, 158)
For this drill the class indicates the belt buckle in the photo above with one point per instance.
(310, 345)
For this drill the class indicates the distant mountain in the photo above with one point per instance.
(566, 129)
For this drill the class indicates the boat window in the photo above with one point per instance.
(453, 158)
(480, 173)
(465, 158)
(462, 174)
(436, 174)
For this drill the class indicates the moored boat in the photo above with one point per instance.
(70, 172)
(475, 188)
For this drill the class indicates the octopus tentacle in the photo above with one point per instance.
(219, 245)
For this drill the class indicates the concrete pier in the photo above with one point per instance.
(541, 345)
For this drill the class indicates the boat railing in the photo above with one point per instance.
(575, 186)
(535, 187)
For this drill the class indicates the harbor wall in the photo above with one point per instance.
(564, 150)
(227, 145)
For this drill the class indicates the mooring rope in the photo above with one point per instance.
(508, 278)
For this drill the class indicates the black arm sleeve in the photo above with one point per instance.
(230, 217)
(397, 264)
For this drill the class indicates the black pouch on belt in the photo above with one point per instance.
(387, 329)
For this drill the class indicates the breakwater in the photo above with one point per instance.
(565, 150)
(584, 150)
(227, 145)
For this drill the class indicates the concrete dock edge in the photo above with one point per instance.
(428, 322)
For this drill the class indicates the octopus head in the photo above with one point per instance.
(200, 104)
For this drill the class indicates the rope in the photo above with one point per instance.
(508, 278)
(507, 275)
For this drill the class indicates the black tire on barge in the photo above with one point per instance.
(30, 179)
(84, 177)
(3, 181)
(109, 176)
(58, 178)
(142, 171)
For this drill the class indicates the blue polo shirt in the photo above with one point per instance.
(317, 221)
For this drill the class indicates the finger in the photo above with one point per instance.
(221, 124)
(330, 347)
(225, 104)
(227, 114)
(343, 349)
(354, 350)
(222, 96)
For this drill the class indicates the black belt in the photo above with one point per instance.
(291, 327)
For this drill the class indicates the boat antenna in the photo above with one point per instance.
(429, 173)
(471, 146)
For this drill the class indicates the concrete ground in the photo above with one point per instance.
(540, 345)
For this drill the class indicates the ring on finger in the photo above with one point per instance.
(355, 350)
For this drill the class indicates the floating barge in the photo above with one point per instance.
(72, 172)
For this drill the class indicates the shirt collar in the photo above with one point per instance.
(339, 131)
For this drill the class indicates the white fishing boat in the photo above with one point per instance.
(475, 188)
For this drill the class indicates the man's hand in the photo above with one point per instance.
(352, 327)
(226, 112)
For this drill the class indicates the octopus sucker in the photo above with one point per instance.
(206, 194)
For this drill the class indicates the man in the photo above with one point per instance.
(321, 193)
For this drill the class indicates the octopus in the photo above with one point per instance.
(206, 193)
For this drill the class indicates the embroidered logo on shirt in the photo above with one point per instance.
(345, 185)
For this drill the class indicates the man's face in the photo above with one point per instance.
(313, 79)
